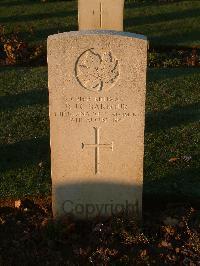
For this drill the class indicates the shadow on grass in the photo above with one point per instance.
(180, 186)
(24, 153)
(178, 115)
(162, 17)
(26, 18)
(10, 3)
(170, 73)
(178, 38)
(6, 69)
(42, 35)
(133, 4)
(18, 3)
(177, 186)
(33, 97)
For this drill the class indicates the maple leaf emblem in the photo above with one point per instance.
(96, 72)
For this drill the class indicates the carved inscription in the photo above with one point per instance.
(97, 146)
(95, 109)
(95, 71)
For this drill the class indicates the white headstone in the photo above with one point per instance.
(97, 84)
(101, 14)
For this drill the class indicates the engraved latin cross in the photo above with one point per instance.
(97, 146)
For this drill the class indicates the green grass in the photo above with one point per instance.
(172, 130)
(24, 132)
(165, 24)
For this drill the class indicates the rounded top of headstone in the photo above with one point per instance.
(97, 32)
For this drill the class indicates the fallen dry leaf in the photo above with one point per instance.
(164, 244)
(177, 250)
(143, 253)
(18, 204)
(174, 159)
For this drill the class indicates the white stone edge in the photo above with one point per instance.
(97, 32)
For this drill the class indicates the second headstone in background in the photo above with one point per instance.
(101, 14)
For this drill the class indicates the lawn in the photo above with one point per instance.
(170, 24)
(172, 132)
(172, 151)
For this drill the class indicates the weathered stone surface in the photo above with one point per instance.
(101, 14)
(97, 109)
